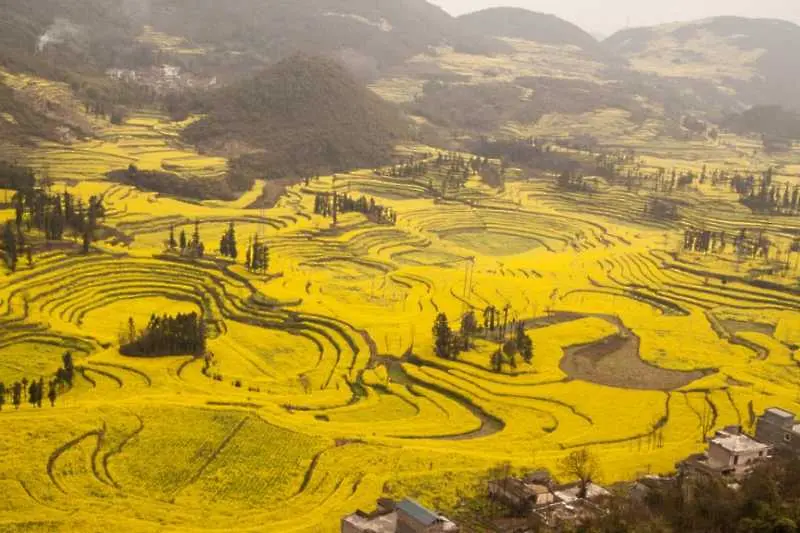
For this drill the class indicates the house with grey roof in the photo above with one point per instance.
(407, 516)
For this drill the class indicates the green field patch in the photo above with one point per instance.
(426, 258)
(491, 243)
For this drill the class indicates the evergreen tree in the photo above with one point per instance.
(39, 392)
(51, 393)
(172, 243)
(16, 394)
(2, 395)
(183, 240)
(469, 325)
(442, 336)
(10, 246)
(69, 367)
(32, 395)
(233, 253)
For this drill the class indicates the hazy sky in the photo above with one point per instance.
(607, 16)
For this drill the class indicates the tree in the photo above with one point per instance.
(16, 394)
(69, 367)
(172, 243)
(469, 326)
(233, 253)
(183, 240)
(524, 343)
(442, 336)
(51, 393)
(2, 395)
(580, 465)
(10, 246)
(32, 394)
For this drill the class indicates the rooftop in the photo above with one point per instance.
(738, 443)
(417, 512)
(376, 524)
(570, 494)
(781, 413)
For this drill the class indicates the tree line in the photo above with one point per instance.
(53, 214)
(33, 391)
(189, 246)
(16, 177)
(764, 195)
(183, 334)
(331, 205)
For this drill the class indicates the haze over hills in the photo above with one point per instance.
(518, 23)
(756, 58)
(495, 71)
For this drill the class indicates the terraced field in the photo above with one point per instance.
(330, 393)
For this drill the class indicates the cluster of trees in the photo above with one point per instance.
(661, 209)
(16, 177)
(183, 334)
(257, 256)
(330, 205)
(34, 390)
(766, 501)
(571, 181)
(743, 244)
(193, 247)
(449, 344)
(227, 244)
(55, 215)
(204, 188)
(764, 195)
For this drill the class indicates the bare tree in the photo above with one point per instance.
(580, 464)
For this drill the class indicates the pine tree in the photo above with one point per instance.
(233, 253)
(10, 247)
(172, 243)
(183, 240)
(442, 336)
(16, 394)
(32, 393)
(51, 393)
(2, 395)
(69, 367)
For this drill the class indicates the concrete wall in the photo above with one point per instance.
(771, 431)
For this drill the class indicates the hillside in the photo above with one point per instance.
(305, 115)
(755, 58)
(517, 23)
(88, 34)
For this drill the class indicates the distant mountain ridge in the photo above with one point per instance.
(518, 23)
(757, 58)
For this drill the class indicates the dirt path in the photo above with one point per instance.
(616, 362)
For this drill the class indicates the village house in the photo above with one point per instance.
(779, 429)
(730, 453)
(406, 516)
(518, 495)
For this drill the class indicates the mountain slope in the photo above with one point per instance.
(756, 58)
(302, 116)
(518, 23)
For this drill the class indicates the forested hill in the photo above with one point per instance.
(518, 23)
(756, 58)
(372, 34)
(303, 116)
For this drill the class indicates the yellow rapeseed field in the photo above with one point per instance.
(324, 390)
